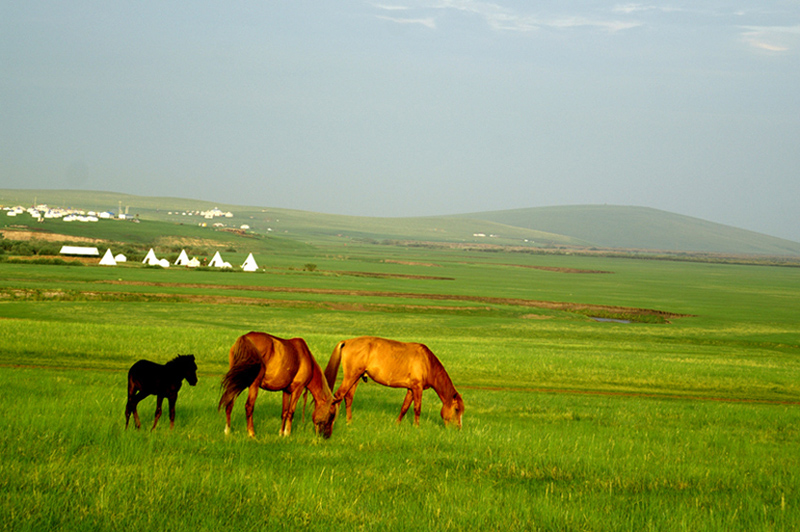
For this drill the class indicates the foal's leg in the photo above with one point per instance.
(172, 399)
(136, 415)
(158, 410)
(130, 408)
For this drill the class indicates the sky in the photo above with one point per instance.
(411, 107)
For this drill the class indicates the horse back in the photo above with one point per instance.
(282, 359)
(143, 368)
(388, 362)
(146, 376)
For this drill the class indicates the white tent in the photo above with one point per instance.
(151, 258)
(121, 258)
(226, 265)
(108, 259)
(183, 259)
(216, 261)
(164, 263)
(80, 251)
(194, 263)
(250, 264)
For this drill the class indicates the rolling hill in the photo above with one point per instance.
(642, 228)
(573, 227)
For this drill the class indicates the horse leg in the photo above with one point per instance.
(348, 402)
(228, 410)
(136, 415)
(158, 410)
(130, 408)
(249, 406)
(172, 399)
(129, 405)
(286, 415)
(349, 383)
(417, 393)
(406, 404)
(289, 404)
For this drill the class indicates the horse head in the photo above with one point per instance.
(324, 415)
(190, 369)
(453, 410)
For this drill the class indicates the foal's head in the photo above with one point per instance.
(187, 368)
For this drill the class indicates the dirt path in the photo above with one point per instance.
(530, 303)
(12, 234)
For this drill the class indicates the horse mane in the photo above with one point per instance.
(441, 381)
(319, 375)
(180, 360)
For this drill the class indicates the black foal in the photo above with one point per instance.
(162, 380)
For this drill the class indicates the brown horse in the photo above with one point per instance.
(259, 360)
(397, 364)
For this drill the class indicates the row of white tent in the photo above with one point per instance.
(249, 264)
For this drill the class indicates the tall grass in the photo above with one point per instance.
(523, 461)
(570, 424)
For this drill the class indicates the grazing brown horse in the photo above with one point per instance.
(259, 360)
(148, 378)
(397, 364)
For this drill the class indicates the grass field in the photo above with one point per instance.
(676, 423)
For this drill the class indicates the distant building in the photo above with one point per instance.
(79, 251)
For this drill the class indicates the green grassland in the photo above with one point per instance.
(685, 417)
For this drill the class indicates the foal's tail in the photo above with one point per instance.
(244, 370)
(131, 384)
(134, 377)
(333, 365)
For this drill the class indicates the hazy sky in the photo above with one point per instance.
(411, 107)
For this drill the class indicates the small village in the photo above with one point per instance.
(42, 212)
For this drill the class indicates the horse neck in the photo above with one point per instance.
(441, 382)
(318, 386)
(175, 369)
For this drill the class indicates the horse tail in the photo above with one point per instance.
(134, 377)
(131, 385)
(333, 365)
(246, 363)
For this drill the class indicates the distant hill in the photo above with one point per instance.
(586, 226)
(642, 228)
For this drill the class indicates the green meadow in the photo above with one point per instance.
(682, 413)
